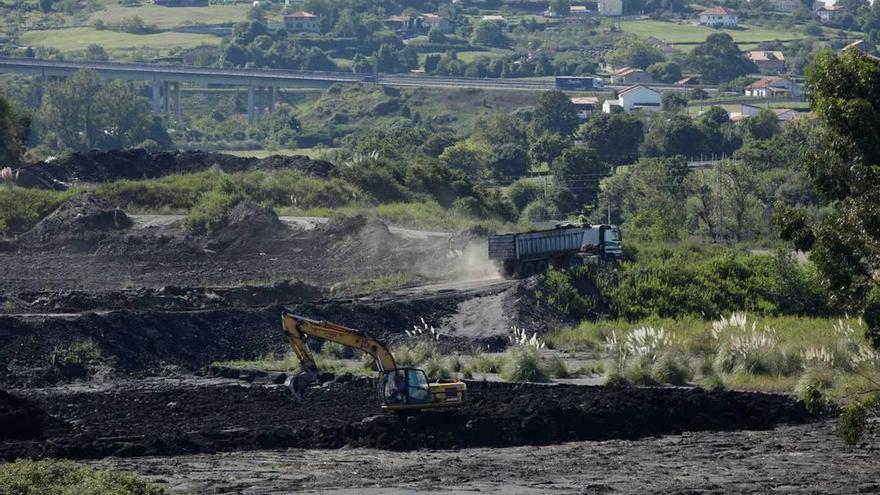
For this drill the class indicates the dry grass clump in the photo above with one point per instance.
(523, 364)
(648, 356)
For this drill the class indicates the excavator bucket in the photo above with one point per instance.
(297, 384)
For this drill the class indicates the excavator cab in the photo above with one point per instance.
(404, 386)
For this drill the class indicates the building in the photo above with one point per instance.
(497, 19)
(629, 75)
(719, 17)
(434, 21)
(301, 22)
(634, 98)
(610, 8)
(579, 11)
(825, 12)
(398, 23)
(585, 106)
(664, 47)
(746, 111)
(784, 5)
(774, 86)
(688, 81)
(768, 62)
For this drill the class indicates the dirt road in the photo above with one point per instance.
(804, 459)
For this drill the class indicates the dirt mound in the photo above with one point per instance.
(342, 412)
(80, 222)
(20, 419)
(169, 298)
(106, 166)
(245, 225)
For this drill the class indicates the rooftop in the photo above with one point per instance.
(300, 14)
(718, 11)
(766, 56)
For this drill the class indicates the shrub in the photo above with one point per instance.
(484, 363)
(21, 209)
(714, 382)
(210, 213)
(435, 368)
(76, 359)
(523, 364)
(563, 295)
(66, 478)
(337, 350)
(851, 423)
(671, 368)
(555, 368)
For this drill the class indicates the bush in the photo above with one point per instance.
(523, 364)
(483, 363)
(209, 214)
(66, 478)
(555, 368)
(671, 368)
(561, 293)
(435, 368)
(76, 359)
(21, 209)
(851, 423)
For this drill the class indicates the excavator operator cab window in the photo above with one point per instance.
(405, 386)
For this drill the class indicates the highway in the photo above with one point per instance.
(270, 77)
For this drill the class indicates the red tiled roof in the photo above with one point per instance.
(718, 11)
(300, 15)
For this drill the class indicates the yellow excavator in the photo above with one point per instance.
(400, 389)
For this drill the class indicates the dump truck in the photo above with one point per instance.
(524, 254)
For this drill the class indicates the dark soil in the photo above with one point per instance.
(81, 222)
(232, 418)
(244, 224)
(106, 166)
(21, 419)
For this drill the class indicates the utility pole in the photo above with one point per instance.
(720, 206)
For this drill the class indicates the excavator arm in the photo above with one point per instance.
(299, 328)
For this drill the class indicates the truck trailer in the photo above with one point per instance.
(579, 83)
(525, 254)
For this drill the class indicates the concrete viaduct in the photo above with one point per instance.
(262, 84)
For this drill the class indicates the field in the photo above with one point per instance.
(688, 33)
(165, 17)
(74, 39)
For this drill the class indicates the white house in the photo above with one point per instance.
(826, 13)
(767, 61)
(585, 106)
(774, 86)
(719, 17)
(610, 8)
(301, 22)
(431, 21)
(633, 98)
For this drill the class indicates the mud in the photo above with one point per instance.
(804, 459)
(78, 224)
(245, 224)
(106, 166)
(125, 422)
(21, 419)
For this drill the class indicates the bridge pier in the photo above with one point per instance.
(261, 101)
(166, 106)
(177, 109)
(273, 98)
(250, 105)
(156, 96)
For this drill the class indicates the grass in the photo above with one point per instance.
(313, 153)
(79, 38)
(25, 477)
(173, 17)
(688, 33)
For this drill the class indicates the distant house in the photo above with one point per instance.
(579, 11)
(768, 62)
(825, 13)
(774, 86)
(585, 106)
(301, 22)
(629, 75)
(860, 45)
(784, 5)
(181, 3)
(610, 8)
(499, 19)
(398, 23)
(432, 21)
(719, 17)
(746, 111)
(634, 98)
(664, 47)
(688, 81)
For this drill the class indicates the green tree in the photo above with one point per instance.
(665, 72)
(578, 171)
(546, 147)
(554, 113)
(845, 168)
(678, 135)
(489, 33)
(508, 161)
(500, 128)
(719, 59)
(560, 7)
(10, 134)
(762, 126)
(672, 102)
(45, 6)
(615, 137)
(632, 51)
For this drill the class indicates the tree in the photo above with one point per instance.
(632, 51)
(666, 72)
(84, 112)
(560, 7)
(501, 128)
(762, 126)
(554, 113)
(845, 168)
(546, 147)
(45, 6)
(672, 102)
(489, 33)
(96, 53)
(10, 134)
(578, 171)
(436, 36)
(508, 161)
(719, 59)
(615, 137)
(677, 135)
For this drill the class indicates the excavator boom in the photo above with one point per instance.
(401, 388)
